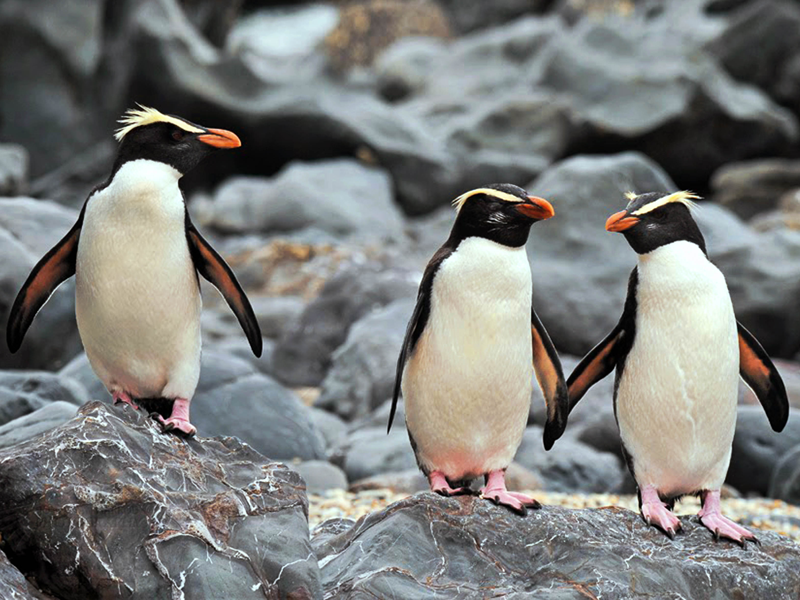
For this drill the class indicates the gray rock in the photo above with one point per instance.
(785, 481)
(636, 88)
(571, 466)
(330, 427)
(13, 170)
(757, 449)
(23, 392)
(13, 584)
(409, 481)
(427, 546)
(772, 26)
(321, 476)
(79, 369)
(379, 418)
(756, 186)
(39, 421)
(233, 398)
(371, 451)
(303, 354)
(140, 508)
(274, 313)
(326, 194)
(362, 374)
(28, 229)
(469, 15)
(402, 69)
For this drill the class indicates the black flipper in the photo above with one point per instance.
(52, 270)
(550, 376)
(419, 319)
(213, 268)
(760, 374)
(602, 359)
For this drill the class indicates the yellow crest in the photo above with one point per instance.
(136, 117)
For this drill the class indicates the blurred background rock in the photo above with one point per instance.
(360, 121)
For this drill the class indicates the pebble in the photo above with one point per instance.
(760, 513)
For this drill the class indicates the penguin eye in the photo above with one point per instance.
(178, 135)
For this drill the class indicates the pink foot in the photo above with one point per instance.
(179, 419)
(439, 485)
(720, 526)
(120, 397)
(655, 512)
(495, 490)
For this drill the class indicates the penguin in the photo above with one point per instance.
(678, 352)
(472, 345)
(136, 255)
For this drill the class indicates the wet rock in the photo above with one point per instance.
(22, 392)
(427, 546)
(570, 466)
(303, 354)
(233, 398)
(757, 449)
(13, 170)
(327, 195)
(13, 584)
(756, 186)
(32, 424)
(362, 374)
(321, 476)
(106, 505)
(28, 229)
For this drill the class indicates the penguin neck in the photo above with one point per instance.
(675, 263)
(513, 235)
(141, 188)
(143, 176)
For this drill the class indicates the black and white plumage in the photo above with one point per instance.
(678, 352)
(472, 346)
(136, 254)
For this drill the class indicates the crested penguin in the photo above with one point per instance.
(678, 352)
(472, 347)
(136, 257)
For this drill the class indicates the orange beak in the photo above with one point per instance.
(536, 208)
(620, 222)
(220, 138)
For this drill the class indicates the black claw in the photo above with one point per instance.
(716, 535)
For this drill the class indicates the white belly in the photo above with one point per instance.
(676, 401)
(137, 298)
(467, 386)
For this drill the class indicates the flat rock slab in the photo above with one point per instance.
(427, 546)
(106, 506)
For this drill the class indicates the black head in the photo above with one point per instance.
(499, 212)
(652, 220)
(148, 134)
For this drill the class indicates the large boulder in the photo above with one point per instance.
(342, 197)
(14, 586)
(755, 186)
(635, 87)
(303, 354)
(32, 424)
(362, 374)
(757, 449)
(28, 229)
(430, 546)
(106, 506)
(23, 392)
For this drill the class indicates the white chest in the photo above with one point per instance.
(677, 396)
(467, 385)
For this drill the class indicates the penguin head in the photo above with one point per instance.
(500, 212)
(653, 220)
(150, 135)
